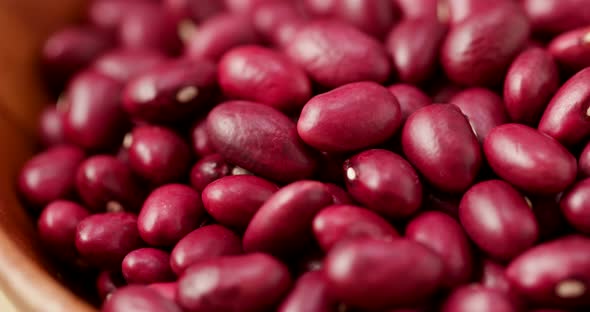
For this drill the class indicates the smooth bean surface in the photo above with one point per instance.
(575, 205)
(137, 298)
(147, 265)
(124, 64)
(476, 298)
(556, 16)
(410, 98)
(57, 227)
(308, 294)
(572, 49)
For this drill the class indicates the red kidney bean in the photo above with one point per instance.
(171, 92)
(167, 290)
(410, 98)
(136, 298)
(109, 281)
(567, 117)
(483, 108)
(347, 264)
(477, 298)
(262, 75)
(158, 154)
(584, 161)
(478, 50)
(261, 140)
(555, 273)
(57, 227)
(530, 82)
(308, 294)
(531, 161)
(575, 206)
(209, 169)
(359, 56)
(192, 10)
(413, 45)
(104, 239)
(233, 200)
(498, 219)
(439, 142)
(556, 16)
(106, 184)
(125, 64)
(50, 175)
(147, 265)
(383, 182)
(339, 195)
(201, 143)
(459, 10)
(572, 49)
(423, 8)
(218, 35)
(207, 242)
(108, 14)
(338, 223)
(169, 213)
(445, 236)
(51, 127)
(93, 118)
(350, 117)
(493, 276)
(278, 21)
(254, 282)
(283, 225)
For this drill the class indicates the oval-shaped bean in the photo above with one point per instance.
(57, 227)
(555, 273)
(167, 290)
(209, 169)
(478, 50)
(444, 235)
(261, 140)
(200, 141)
(471, 298)
(383, 182)
(530, 82)
(413, 45)
(584, 161)
(51, 127)
(309, 294)
(359, 57)
(459, 10)
(278, 21)
(483, 108)
(572, 49)
(171, 92)
(351, 117)
(147, 265)
(218, 35)
(232, 201)
(508, 226)
(439, 142)
(109, 281)
(556, 16)
(254, 282)
(338, 223)
(50, 175)
(124, 64)
(282, 226)
(104, 239)
(531, 161)
(567, 117)
(136, 298)
(347, 264)
(410, 98)
(575, 206)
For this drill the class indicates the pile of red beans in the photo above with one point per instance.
(321, 155)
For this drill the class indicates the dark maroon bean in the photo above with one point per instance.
(262, 75)
(201, 143)
(106, 184)
(339, 195)
(124, 64)
(204, 243)
(57, 227)
(192, 10)
(312, 260)
(550, 219)
(261, 140)
(555, 273)
(439, 142)
(167, 290)
(478, 50)
(136, 298)
(531, 161)
(471, 298)
(158, 154)
(308, 294)
(410, 98)
(50, 175)
(575, 206)
(383, 182)
(218, 35)
(249, 283)
(444, 235)
(347, 264)
(104, 239)
(109, 281)
(567, 117)
(147, 265)
(423, 8)
(584, 161)
(443, 91)
(51, 127)
(556, 16)
(338, 223)
(359, 56)
(572, 49)
(530, 82)
(278, 21)
(443, 202)
(351, 117)
(413, 45)
(232, 201)
(498, 219)
(209, 169)
(94, 118)
(108, 14)
(483, 108)
(282, 226)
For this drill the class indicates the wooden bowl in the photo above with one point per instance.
(28, 280)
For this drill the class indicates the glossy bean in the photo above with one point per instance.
(556, 16)
(167, 290)
(138, 298)
(575, 205)
(124, 64)
(309, 294)
(410, 98)
(51, 127)
(339, 195)
(207, 170)
(57, 227)
(476, 298)
(572, 49)
(200, 141)
(147, 265)
(278, 21)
